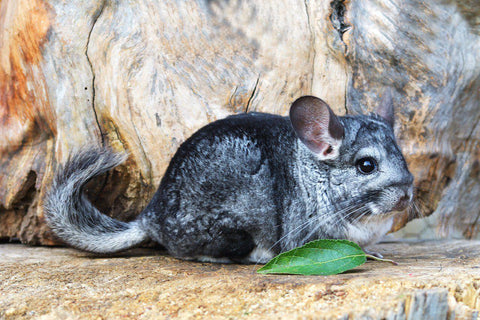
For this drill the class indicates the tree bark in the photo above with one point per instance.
(143, 76)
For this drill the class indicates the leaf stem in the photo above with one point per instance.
(380, 259)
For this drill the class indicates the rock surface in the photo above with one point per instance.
(434, 280)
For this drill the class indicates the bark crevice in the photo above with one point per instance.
(252, 96)
(337, 18)
(97, 15)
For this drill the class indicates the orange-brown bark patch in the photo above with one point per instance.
(24, 109)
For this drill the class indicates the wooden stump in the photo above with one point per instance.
(144, 75)
(433, 281)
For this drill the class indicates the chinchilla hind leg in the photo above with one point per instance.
(227, 245)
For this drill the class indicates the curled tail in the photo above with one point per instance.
(74, 219)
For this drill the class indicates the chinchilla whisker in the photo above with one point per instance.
(339, 217)
(337, 214)
(349, 214)
(343, 214)
(338, 223)
(353, 209)
(363, 214)
(355, 203)
(360, 205)
(311, 233)
(297, 229)
(416, 211)
(419, 210)
(415, 204)
(315, 220)
(360, 214)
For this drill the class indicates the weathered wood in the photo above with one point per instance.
(144, 75)
(433, 281)
(428, 51)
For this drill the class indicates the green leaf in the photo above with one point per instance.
(319, 257)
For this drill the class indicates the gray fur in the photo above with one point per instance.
(74, 219)
(246, 188)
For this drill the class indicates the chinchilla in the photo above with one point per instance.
(247, 187)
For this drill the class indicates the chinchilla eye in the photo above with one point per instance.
(366, 165)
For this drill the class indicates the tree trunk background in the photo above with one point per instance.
(142, 76)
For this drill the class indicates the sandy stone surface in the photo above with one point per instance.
(434, 280)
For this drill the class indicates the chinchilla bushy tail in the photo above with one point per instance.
(74, 219)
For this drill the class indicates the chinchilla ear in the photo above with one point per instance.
(385, 109)
(317, 126)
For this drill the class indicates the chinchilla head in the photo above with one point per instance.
(357, 158)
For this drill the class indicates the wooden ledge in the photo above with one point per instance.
(434, 280)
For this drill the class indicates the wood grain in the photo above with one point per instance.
(143, 76)
(432, 281)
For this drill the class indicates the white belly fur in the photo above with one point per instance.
(369, 233)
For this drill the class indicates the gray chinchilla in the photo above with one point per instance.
(247, 187)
